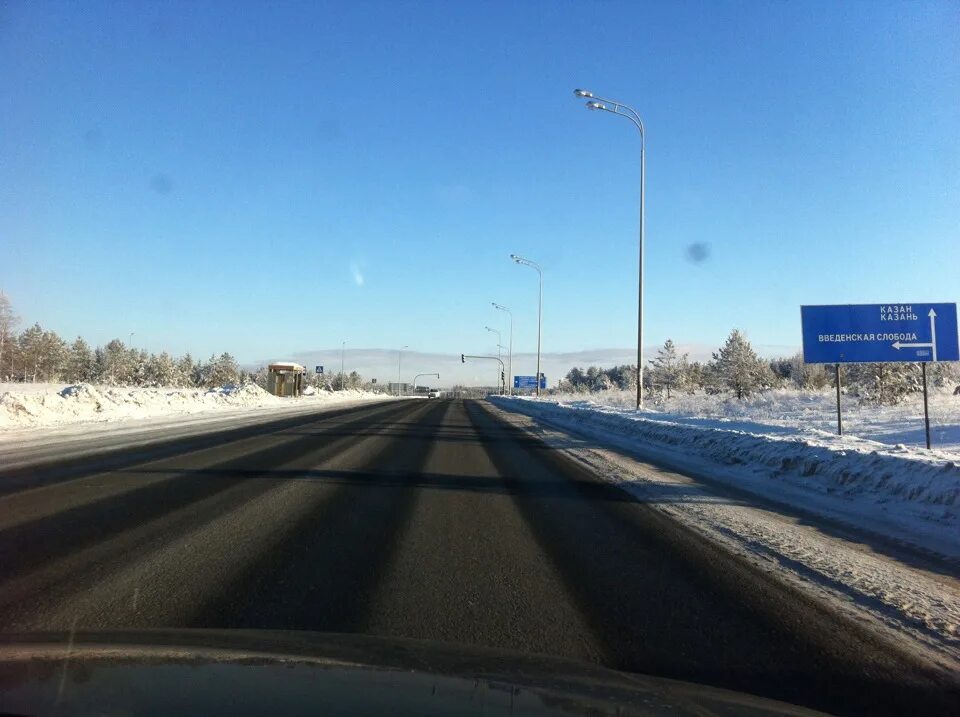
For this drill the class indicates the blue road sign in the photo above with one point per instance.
(529, 381)
(866, 333)
(320, 369)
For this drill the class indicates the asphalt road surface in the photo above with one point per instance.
(429, 520)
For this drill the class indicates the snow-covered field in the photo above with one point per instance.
(788, 411)
(42, 406)
(839, 518)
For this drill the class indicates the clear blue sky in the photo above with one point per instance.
(218, 175)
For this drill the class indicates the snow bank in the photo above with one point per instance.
(792, 410)
(52, 404)
(909, 493)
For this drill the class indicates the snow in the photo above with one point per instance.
(789, 411)
(816, 525)
(42, 406)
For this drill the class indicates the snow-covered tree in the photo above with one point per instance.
(220, 370)
(623, 377)
(668, 368)
(118, 364)
(185, 371)
(739, 368)
(883, 383)
(8, 323)
(30, 344)
(160, 370)
(79, 362)
(801, 374)
(945, 374)
(54, 356)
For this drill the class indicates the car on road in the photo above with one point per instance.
(434, 393)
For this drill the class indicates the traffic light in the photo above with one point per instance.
(463, 358)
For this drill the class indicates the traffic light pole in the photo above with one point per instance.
(500, 383)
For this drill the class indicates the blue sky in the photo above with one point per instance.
(219, 176)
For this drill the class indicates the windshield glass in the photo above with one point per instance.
(620, 333)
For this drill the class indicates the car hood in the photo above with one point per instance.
(241, 672)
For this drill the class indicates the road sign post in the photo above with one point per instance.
(880, 333)
(839, 419)
(926, 411)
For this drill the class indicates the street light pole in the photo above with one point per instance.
(499, 339)
(618, 108)
(510, 353)
(343, 346)
(399, 356)
(535, 265)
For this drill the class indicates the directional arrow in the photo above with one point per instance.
(897, 345)
(933, 337)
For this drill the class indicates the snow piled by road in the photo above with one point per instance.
(39, 406)
(814, 510)
(907, 493)
(791, 410)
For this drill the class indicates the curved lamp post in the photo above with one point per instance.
(618, 108)
(534, 265)
(510, 348)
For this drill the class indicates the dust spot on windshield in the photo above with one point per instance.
(93, 138)
(698, 252)
(161, 184)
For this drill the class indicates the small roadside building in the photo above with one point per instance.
(285, 378)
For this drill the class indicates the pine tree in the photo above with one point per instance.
(739, 368)
(160, 370)
(54, 355)
(668, 368)
(8, 322)
(945, 374)
(100, 366)
(884, 383)
(185, 370)
(79, 362)
(119, 370)
(30, 343)
(219, 371)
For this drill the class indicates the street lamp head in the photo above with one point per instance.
(583, 93)
(596, 106)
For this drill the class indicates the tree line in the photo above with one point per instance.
(736, 369)
(37, 354)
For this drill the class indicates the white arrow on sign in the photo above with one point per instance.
(933, 338)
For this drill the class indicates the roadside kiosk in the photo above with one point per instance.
(285, 378)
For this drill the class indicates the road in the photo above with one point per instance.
(430, 520)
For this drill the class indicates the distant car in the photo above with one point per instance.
(434, 393)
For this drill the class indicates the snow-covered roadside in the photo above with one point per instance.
(785, 410)
(33, 446)
(890, 595)
(26, 406)
(49, 426)
(909, 494)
